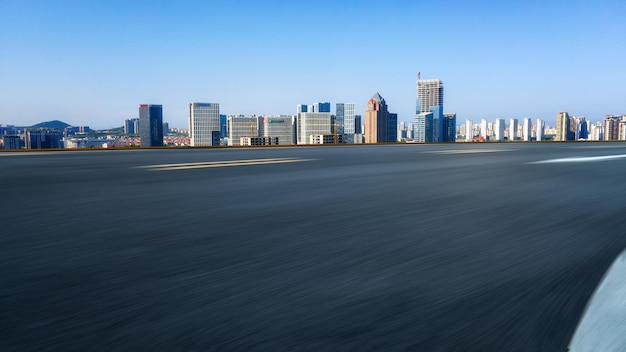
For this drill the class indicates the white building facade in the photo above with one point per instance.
(204, 124)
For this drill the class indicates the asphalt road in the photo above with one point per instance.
(350, 248)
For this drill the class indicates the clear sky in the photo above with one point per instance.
(91, 62)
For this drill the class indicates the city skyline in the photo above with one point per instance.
(59, 62)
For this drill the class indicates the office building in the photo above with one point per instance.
(241, 126)
(223, 127)
(449, 128)
(469, 130)
(499, 130)
(484, 132)
(346, 121)
(131, 126)
(11, 142)
(430, 99)
(43, 139)
(151, 125)
(380, 125)
(541, 128)
(281, 127)
(204, 124)
(611, 127)
(311, 122)
(563, 127)
(423, 128)
(513, 129)
(526, 131)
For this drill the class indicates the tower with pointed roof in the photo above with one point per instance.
(380, 125)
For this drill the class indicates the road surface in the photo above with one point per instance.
(366, 248)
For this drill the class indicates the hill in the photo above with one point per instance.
(55, 124)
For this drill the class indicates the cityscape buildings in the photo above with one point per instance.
(204, 124)
(346, 121)
(151, 125)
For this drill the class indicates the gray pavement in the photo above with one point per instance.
(367, 248)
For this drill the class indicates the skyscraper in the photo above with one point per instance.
(151, 125)
(611, 127)
(449, 128)
(430, 99)
(483, 129)
(541, 126)
(469, 130)
(345, 118)
(563, 127)
(131, 126)
(423, 127)
(528, 125)
(499, 130)
(380, 125)
(204, 124)
(513, 129)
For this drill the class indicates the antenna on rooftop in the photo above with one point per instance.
(419, 75)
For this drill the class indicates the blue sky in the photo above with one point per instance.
(93, 62)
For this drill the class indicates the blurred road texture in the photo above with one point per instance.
(364, 248)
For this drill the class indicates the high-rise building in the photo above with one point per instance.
(484, 132)
(43, 139)
(513, 129)
(563, 127)
(499, 130)
(526, 131)
(204, 124)
(345, 118)
(223, 126)
(321, 107)
(313, 123)
(282, 127)
(611, 127)
(11, 142)
(430, 99)
(541, 127)
(131, 126)
(469, 130)
(240, 126)
(449, 128)
(423, 127)
(151, 125)
(380, 125)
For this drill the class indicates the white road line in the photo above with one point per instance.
(467, 151)
(581, 159)
(219, 162)
(190, 166)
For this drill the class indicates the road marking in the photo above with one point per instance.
(581, 159)
(222, 163)
(466, 151)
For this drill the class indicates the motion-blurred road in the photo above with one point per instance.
(364, 248)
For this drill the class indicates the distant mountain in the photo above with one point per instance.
(56, 124)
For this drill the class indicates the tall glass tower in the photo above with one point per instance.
(151, 125)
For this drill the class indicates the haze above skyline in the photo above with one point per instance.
(93, 62)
